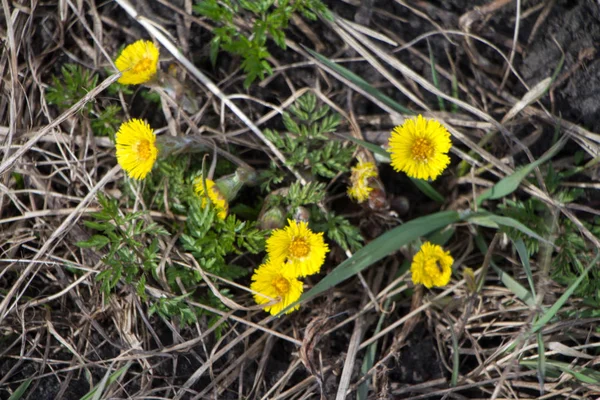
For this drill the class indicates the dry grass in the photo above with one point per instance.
(60, 332)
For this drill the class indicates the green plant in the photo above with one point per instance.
(132, 243)
(213, 242)
(308, 148)
(573, 252)
(268, 18)
(299, 195)
(168, 307)
(67, 90)
(167, 188)
(74, 84)
(340, 230)
(337, 228)
(306, 145)
(572, 258)
(106, 121)
(133, 254)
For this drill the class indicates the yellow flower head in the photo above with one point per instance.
(271, 284)
(419, 148)
(136, 148)
(302, 251)
(214, 194)
(431, 266)
(359, 189)
(138, 62)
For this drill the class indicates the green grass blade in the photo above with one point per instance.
(454, 106)
(511, 284)
(524, 256)
(434, 77)
(548, 315)
(441, 236)
(96, 393)
(363, 390)
(427, 190)
(20, 391)
(384, 245)
(372, 147)
(585, 375)
(510, 183)
(358, 82)
(541, 365)
(508, 281)
(455, 356)
(490, 220)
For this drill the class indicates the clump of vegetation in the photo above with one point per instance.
(131, 244)
(306, 142)
(74, 83)
(245, 25)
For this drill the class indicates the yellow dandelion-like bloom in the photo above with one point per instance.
(419, 148)
(431, 266)
(302, 250)
(215, 196)
(138, 62)
(272, 284)
(359, 189)
(136, 148)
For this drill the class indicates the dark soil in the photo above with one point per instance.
(572, 31)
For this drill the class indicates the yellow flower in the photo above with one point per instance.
(214, 194)
(431, 266)
(302, 251)
(419, 148)
(272, 284)
(359, 189)
(136, 148)
(138, 62)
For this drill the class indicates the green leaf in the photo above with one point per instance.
(99, 226)
(441, 236)
(507, 280)
(434, 78)
(510, 183)
(96, 393)
(428, 190)
(548, 315)
(524, 256)
(20, 391)
(215, 44)
(363, 391)
(490, 220)
(585, 375)
(514, 286)
(374, 148)
(541, 365)
(358, 82)
(96, 241)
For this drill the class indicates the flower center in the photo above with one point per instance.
(281, 285)
(422, 149)
(143, 150)
(143, 65)
(299, 248)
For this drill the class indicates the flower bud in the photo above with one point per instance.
(272, 218)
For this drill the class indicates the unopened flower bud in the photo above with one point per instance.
(272, 218)
(300, 214)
